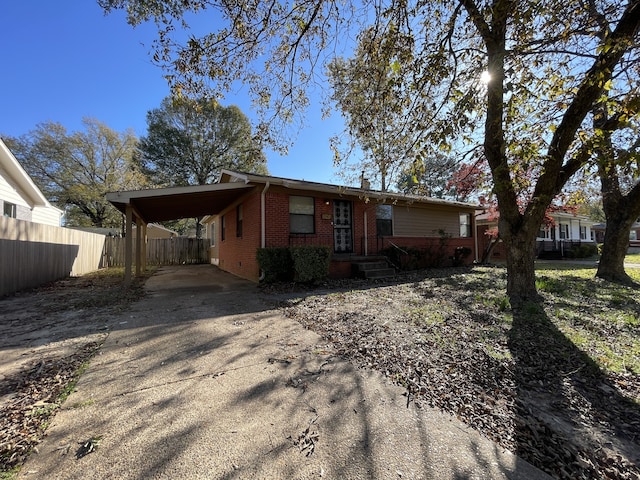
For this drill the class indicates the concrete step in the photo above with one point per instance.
(380, 273)
(364, 266)
(377, 267)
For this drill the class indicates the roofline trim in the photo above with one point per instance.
(381, 197)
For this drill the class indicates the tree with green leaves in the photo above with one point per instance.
(189, 141)
(371, 98)
(75, 170)
(547, 65)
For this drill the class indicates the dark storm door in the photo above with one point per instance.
(342, 226)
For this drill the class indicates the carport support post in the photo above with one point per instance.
(144, 247)
(128, 245)
(139, 242)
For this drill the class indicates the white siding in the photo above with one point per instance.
(47, 215)
(9, 193)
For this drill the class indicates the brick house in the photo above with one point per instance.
(243, 212)
(354, 222)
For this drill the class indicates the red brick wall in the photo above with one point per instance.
(277, 220)
(238, 254)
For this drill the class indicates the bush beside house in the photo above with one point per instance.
(305, 264)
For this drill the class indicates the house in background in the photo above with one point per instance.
(157, 231)
(634, 235)
(20, 198)
(568, 231)
(244, 212)
(354, 222)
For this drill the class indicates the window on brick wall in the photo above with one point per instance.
(239, 221)
(384, 220)
(222, 228)
(301, 214)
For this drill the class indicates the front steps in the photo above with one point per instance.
(372, 268)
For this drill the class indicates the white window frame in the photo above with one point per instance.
(465, 225)
(299, 207)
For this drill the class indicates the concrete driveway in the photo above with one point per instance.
(202, 380)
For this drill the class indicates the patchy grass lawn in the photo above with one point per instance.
(632, 258)
(557, 383)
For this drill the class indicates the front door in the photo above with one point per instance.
(342, 227)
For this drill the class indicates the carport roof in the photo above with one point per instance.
(162, 204)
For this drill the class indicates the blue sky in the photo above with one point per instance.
(65, 60)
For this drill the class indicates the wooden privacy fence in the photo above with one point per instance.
(32, 254)
(160, 251)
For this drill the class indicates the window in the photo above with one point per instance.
(212, 233)
(633, 235)
(543, 233)
(583, 233)
(9, 210)
(301, 214)
(222, 228)
(239, 221)
(384, 220)
(465, 225)
(564, 230)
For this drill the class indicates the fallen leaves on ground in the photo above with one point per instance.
(34, 397)
(446, 337)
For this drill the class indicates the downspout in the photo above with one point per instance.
(366, 236)
(263, 216)
(475, 235)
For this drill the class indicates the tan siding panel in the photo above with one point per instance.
(425, 222)
(32, 253)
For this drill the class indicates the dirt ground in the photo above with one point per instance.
(446, 336)
(46, 335)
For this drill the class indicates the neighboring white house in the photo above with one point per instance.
(20, 198)
(568, 232)
(568, 226)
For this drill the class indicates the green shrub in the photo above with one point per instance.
(276, 264)
(310, 263)
(584, 250)
(459, 255)
(411, 258)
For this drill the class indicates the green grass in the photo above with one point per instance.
(632, 258)
(9, 474)
(600, 318)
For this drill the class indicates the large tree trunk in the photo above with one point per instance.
(620, 211)
(614, 249)
(521, 255)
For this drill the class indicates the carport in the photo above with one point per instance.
(162, 204)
